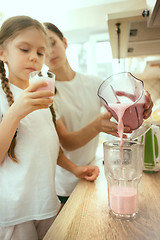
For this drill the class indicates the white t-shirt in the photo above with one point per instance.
(27, 188)
(76, 102)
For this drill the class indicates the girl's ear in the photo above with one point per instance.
(65, 42)
(2, 55)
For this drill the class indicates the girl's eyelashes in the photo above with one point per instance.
(27, 50)
(24, 50)
(40, 54)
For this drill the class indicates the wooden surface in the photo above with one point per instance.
(86, 214)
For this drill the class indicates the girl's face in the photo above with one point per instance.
(24, 54)
(55, 54)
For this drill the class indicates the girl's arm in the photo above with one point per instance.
(8, 128)
(29, 101)
(89, 173)
(73, 140)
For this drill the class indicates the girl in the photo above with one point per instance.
(29, 145)
(78, 106)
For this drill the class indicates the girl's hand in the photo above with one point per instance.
(148, 105)
(109, 127)
(90, 173)
(31, 100)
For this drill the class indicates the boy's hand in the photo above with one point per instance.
(107, 126)
(90, 173)
(148, 105)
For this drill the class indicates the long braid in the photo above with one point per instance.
(53, 114)
(10, 98)
(56, 30)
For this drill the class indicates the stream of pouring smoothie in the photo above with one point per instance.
(125, 100)
(119, 109)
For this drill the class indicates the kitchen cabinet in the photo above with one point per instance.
(137, 35)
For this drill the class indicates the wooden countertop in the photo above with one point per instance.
(86, 214)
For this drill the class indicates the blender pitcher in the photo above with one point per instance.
(123, 170)
(126, 90)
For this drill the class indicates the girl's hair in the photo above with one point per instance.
(54, 29)
(9, 30)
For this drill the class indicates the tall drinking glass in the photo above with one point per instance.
(123, 170)
(45, 76)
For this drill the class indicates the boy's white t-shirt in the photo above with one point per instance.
(27, 188)
(76, 102)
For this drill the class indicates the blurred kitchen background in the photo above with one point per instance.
(104, 36)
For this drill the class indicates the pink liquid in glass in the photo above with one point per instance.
(123, 200)
(50, 85)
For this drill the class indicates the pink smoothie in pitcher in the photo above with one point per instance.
(123, 200)
(132, 111)
(127, 114)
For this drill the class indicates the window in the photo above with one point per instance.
(94, 57)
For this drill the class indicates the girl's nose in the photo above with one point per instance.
(33, 56)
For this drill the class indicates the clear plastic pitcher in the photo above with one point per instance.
(124, 88)
(123, 167)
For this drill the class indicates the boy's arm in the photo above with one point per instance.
(89, 173)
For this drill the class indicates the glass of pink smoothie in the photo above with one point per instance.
(45, 76)
(123, 170)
